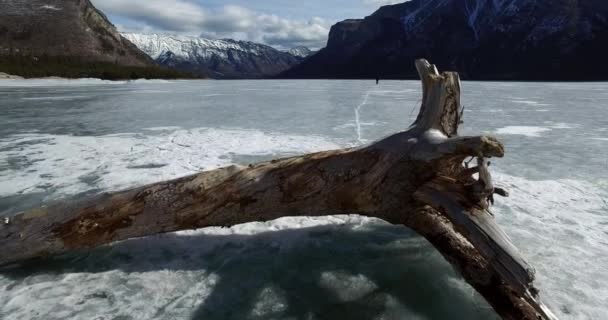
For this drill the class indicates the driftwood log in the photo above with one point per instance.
(417, 178)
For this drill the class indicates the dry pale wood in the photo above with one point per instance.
(415, 178)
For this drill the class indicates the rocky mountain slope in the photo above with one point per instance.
(65, 38)
(482, 39)
(223, 59)
(302, 52)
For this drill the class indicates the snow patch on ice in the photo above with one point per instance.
(560, 218)
(530, 102)
(528, 131)
(561, 125)
(491, 110)
(349, 287)
(65, 164)
(55, 98)
(270, 302)
(168, 128)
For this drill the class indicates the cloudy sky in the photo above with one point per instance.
(279, 23)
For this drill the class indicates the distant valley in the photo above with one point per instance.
(219, 59)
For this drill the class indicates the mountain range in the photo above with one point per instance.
(222, 59)
(481, 39)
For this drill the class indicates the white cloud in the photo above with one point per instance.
(229, 21)
(177, 15)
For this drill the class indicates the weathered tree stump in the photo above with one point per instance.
(416, 178)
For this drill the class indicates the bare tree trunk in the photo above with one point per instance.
(416, 178)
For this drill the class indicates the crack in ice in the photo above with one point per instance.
(357, 115)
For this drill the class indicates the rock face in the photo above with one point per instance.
(481, 39)
(222, 59)
(64, 29)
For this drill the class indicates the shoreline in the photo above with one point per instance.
(6, 76)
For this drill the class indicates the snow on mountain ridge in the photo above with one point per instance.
(225, 58)
(301, 52)
(188, 47)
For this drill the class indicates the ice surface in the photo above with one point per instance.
(358, 116)
(563, 221)
(67, 164)
(530, 102)
(45, 82)
(60, 138)
(335, 267)
(529, 131)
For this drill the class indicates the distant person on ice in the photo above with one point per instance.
(377, 80)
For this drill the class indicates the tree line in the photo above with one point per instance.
(74, 67)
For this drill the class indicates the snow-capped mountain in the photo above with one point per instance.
(302, 52)
(482, 39)
(215, 58)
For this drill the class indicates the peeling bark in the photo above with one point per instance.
(415, 178)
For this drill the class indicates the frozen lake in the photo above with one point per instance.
(62, 138)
